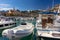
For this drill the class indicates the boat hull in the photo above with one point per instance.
(46, 38)
(29, 37)
(47, 35)
(19, 35)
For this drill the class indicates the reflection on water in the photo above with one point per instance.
(3, 38)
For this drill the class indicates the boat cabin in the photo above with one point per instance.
(47, 18)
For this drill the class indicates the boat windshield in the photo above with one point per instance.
(23, 23)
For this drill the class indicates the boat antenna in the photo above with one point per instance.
(52, 3)
(14, 8)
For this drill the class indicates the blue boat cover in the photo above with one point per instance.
(48, 13)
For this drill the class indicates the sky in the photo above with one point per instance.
(27, 4)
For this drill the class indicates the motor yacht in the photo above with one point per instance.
(23, 30)
(6, 23)
(51, 31)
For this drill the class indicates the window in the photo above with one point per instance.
(12, 23)
(6, 24)
(1, 25)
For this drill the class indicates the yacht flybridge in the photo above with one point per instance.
(23, 30)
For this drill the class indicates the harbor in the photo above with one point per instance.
(30, 20)
(31, 28)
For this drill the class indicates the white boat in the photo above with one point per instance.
(6, 23)
(20, 31)
(39, 22)
(52, 35)
(50, 32)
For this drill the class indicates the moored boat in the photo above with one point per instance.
(6, 23)
(19, 32)
(50, 29)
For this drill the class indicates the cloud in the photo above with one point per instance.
(5, 8)
(5, 5)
